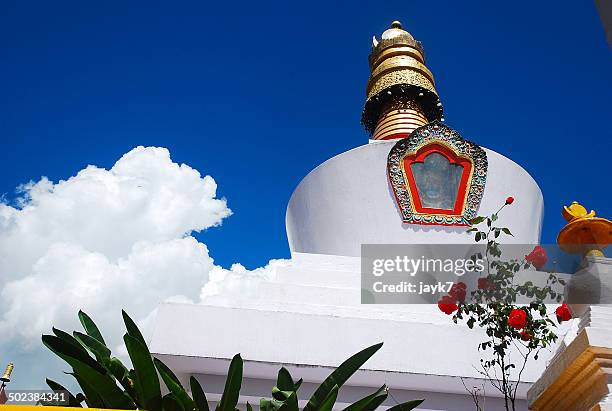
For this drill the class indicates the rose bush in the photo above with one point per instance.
(493, 307)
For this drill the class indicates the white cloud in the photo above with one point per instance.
(233, 286)
(104, 240)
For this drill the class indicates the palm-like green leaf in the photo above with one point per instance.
(146, 382)
(69, 351)
(231, 391)
(340, 376)
(330, 400)
(90, 372)
(270, 405)
(281, 395)
(104, 386)
(116, 367)
(284, 381)
(98, 349)
(170, 403)
(371, 402)
(72, 400)
(90, 327)
(92, 398)
(198, 394)
(69, 339)
(406, 406)
(290, 404)
(132, 328)
(174, 385)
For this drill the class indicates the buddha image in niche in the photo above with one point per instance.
(437, 181)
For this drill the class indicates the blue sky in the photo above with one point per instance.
(257, 94)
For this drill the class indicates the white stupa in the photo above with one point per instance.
(309, 318)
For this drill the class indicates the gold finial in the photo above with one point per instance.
(6, 377)
(576, 211)
(584, 233)
(399, 77)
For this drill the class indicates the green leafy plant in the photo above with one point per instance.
(107, 383)
(285, 397)
(493, 307)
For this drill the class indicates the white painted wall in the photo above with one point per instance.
(347, 201)
(309, 319)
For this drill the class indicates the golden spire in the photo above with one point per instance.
(401, 94)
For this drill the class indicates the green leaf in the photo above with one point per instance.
(198, 395)
(170, 403)
(105, 387)
(132, 328)
(117, 369)
(470, 322)
(270, 405)
(231, 391)
(70, 340)
(406, 406)
(371, 402)
(284, 381)
(291, 403)
(340, 376)
(98, 349)
(174, 385)
(72, 400)
(281, 395)
(92, 398)
(330, 400)
(505, 230)
(90, 327)
(68, 351)
(477, 220)
(90, 373)
(146, 382)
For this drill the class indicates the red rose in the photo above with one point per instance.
(458, 291)
(517, 319)
(485, 284)
(563, 313)
(537, 257)
(447, 305)
(509, 200)
(525, 336)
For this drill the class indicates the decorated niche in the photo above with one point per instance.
(437, 176)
